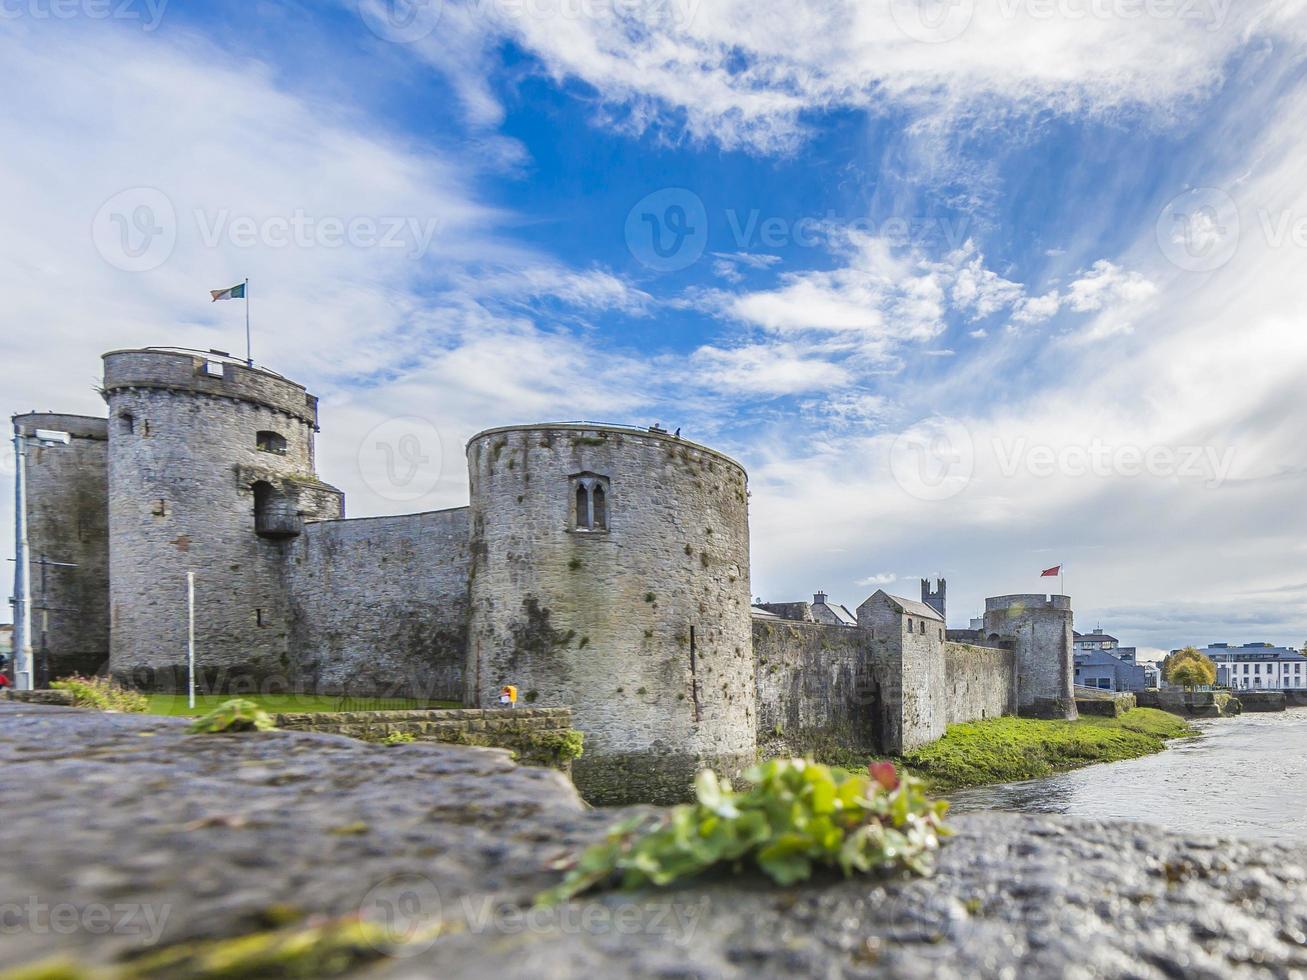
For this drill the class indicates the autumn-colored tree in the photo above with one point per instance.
(1189, 668)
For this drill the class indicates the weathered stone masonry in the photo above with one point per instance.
(640, 622)
(67, 519)
(379, 604)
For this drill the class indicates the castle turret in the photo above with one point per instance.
(1039, 627)
(68, 542)
(211, 470)
(935, 597)
(610, 573)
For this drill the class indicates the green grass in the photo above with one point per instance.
(1001, 750)
(175, 704)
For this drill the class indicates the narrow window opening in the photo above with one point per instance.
(258, 617)
(909, 624)
(589, 502)
(270, 442)
(129, 422)
(145, 427)
(582, 506)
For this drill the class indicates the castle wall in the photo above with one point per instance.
(643, 629)
(819, 687)
(1040, 630)
(980, 682)
(184, 472)
(379, 605)
(67, 524)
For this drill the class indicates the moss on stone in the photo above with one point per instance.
(331, 949)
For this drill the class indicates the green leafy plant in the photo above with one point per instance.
(795, 816)
(236, 715)
(399, 738)
(102, 694)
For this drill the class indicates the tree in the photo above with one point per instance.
(1189, 668)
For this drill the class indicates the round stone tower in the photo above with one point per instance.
(211, 470)
(68, 542)
(610, 574)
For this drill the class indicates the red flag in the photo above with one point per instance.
(1054, 571)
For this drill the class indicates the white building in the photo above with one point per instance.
(1258, 665)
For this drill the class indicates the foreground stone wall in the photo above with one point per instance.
(379, 605)
(819, 687)
(68, 524)
(979, 682)
(215, 837)
(525, 731)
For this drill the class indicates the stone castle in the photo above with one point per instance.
(598, 567)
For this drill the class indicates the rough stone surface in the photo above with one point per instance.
(642, 628)
(980, 682)
(68, 525)
(379, 605)
(524, 731)
(818, 686)
(217, 834)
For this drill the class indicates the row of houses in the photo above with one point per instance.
(1101, 662)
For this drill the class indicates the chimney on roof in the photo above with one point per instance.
(819, 599)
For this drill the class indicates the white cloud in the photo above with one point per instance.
(879, 580)
(1037, 309)
(767, 369)
(743, 72)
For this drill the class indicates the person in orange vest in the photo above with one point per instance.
(508, 696)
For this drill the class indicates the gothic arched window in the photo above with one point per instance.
(590, 495)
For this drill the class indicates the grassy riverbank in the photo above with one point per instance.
(1001, 750)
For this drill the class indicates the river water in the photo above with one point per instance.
(1242, 777)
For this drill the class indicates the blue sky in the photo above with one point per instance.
(968, 296)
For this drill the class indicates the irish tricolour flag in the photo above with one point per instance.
(235, 292)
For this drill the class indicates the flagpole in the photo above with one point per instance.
(249, 349)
